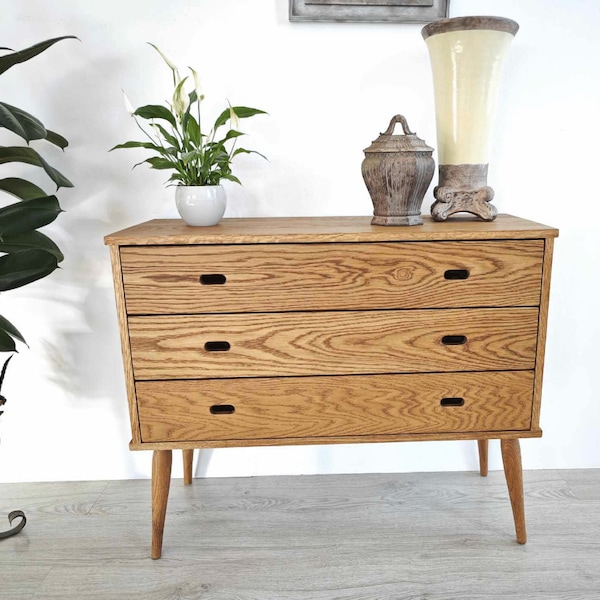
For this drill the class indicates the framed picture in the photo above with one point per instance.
(373, 11)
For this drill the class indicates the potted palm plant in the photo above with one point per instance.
(198, 158)
(27, 254)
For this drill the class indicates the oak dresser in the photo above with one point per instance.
(274, 331)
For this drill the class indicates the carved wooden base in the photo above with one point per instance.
(463, 188)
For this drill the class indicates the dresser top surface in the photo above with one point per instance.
(277, 230)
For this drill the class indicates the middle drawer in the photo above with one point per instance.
(333, 343)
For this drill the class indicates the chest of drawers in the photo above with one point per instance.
(327, 330)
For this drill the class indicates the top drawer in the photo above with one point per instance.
(332, 276)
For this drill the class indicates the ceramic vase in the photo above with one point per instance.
(200, 205)
(397, 171)
(467, 55)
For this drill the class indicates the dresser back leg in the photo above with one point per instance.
(188, 460)
(161, 479)
(483, 457)
(511, 457)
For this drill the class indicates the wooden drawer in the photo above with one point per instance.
(332, 343)
(301, 407)
(282, 277)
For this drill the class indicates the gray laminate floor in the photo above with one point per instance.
(434, 536)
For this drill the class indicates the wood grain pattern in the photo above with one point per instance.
(346, 439)
(125, 346)
(285, 230)
(482, 447)
(542, 328)
(511, 457)
(296, 407)
(161, 480)
(188, 463)
(333, 343)
(166, 280)
(329, 331)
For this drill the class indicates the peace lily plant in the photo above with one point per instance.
(181, 143)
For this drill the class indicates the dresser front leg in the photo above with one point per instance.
(188, 461)
(511, 457)
(483, 457)
(161, 479)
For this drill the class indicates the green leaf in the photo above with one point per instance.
(27, 240)
(160, 163)
(244, 151)
(231, 178)
(30, 156)
(28, 215)
(243, 112)
(9, 60)
(7, 344)
(7, 327)
(232, 133)
(20, 268)
(187, 157)
(156, 111)
(56, 139)
(193, 130)
(171, 139)
(25, 190)
(22, 123)
(147, 145)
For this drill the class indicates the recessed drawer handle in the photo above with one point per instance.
(454, 340)
(456, 274)
(217, 346)
(452, 401)
(222, 409)
(213, 279)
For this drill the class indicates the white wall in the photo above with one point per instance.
(330, 89)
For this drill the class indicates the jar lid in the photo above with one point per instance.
(388, 142)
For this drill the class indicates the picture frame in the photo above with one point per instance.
(369, 11)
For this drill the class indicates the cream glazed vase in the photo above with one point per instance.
(467, 55)
(200, 205)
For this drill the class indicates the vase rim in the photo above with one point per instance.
(470, 23)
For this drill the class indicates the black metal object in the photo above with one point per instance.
(15, 514)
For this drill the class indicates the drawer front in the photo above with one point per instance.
(292, 407)
(282, 277)
(333, 343)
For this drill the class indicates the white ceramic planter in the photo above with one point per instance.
(200, 205)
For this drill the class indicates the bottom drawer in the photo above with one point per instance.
(300, 407)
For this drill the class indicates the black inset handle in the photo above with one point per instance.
(213, 279)
(454, 340)
(222, 409)
(452, 401)
(456, 274)
(217, 346)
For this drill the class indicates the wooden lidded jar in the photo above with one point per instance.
(397, 170)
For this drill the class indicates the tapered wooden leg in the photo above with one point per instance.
(188, 460)
(511, 457)
(161, 479)
(483, 457)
